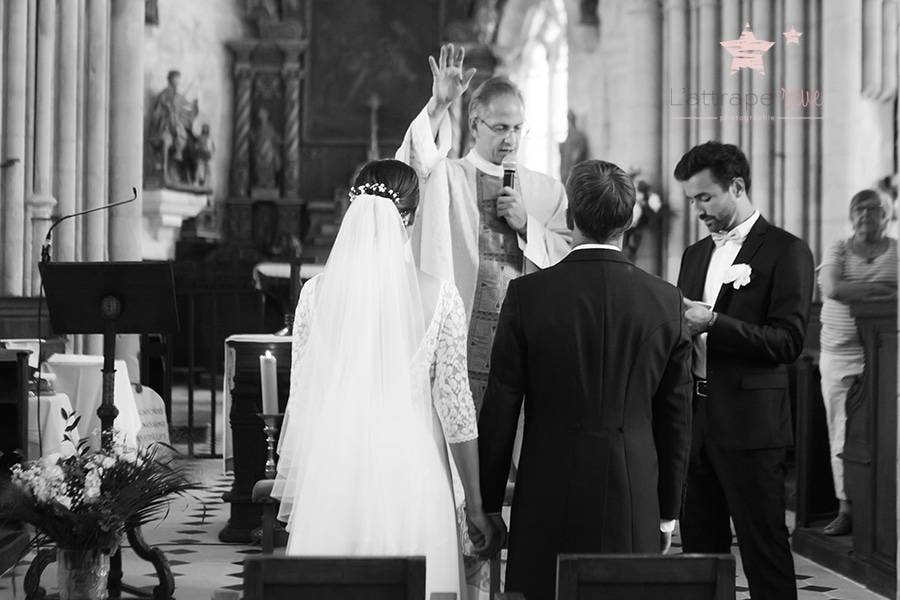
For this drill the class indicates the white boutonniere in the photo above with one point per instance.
(738, 275)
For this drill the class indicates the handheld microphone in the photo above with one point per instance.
(45, 249)
(509, 173)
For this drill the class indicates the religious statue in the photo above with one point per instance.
(588, 13)
(171, 136)
(648, 209)
(204, 150)
(573, 150)
(263, 9)
(151, 12)
(266, 151)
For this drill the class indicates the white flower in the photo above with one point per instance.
(54, 473)
(91, 486)
(738, 275)
(51, 459)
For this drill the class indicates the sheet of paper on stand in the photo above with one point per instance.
(152, 411)
(80, 377)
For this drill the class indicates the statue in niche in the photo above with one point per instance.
(204, 150)
(573, 150)
(151, 12)
(263, 9)
(171, 137)
(588, 13)
(266, 152)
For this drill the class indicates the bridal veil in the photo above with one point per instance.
(359, 470)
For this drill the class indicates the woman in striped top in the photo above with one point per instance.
(861, 267)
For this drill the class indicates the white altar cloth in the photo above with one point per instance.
(47, 427)
(80, 377)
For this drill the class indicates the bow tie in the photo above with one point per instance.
(729, 236)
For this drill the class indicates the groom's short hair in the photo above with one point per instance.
(601, 199)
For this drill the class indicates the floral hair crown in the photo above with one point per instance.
(375, 189)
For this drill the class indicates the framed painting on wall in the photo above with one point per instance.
(364, 51)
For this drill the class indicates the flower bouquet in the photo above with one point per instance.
(84, 503)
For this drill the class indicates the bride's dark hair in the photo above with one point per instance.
(397, 177)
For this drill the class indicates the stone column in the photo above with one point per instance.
(97, 113)
(732, 25)
(709, 58)
(13, 197)
(240, 157)
(762, 144)
(643, 111)
(126, 126)
(843, 132)
(813, 199)
(793, 147)
(126, 137)
(42, 197)
(291, 74)
(678, 142)
(30, 102)
(67, 89)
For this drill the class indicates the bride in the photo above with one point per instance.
(379, 388)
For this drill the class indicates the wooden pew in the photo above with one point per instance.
(645, 576)
(336, 578)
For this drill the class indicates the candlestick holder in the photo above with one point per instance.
(271, 425)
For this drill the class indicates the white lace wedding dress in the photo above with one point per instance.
(379, 483)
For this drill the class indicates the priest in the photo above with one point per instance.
(474, 227)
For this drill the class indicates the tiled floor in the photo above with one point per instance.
(202, 565)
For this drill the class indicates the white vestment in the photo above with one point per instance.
(445, 236)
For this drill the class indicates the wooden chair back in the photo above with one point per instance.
(645, 577)
(333, 578)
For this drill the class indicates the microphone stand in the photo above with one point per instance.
(45, 249)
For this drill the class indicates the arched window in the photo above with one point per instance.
(542, 75)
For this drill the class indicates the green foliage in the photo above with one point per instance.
(87, 500)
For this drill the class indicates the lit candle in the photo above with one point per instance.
(269, 384)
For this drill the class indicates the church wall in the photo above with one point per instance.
(635, 86)
(191, 38)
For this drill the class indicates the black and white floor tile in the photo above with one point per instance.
(206, 569)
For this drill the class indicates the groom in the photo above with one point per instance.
(748, 288)
(600, 355)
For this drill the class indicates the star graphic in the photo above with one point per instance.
(793, 36)
(747, 51)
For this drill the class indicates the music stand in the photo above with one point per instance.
(112, 298)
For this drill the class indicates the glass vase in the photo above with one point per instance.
(82, 574)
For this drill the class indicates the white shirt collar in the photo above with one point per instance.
(484, 165)
(744, 228)
(596, 247)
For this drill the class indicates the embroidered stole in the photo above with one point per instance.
(499, 261)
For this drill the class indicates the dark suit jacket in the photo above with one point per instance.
(759, 331)
(598, 350)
